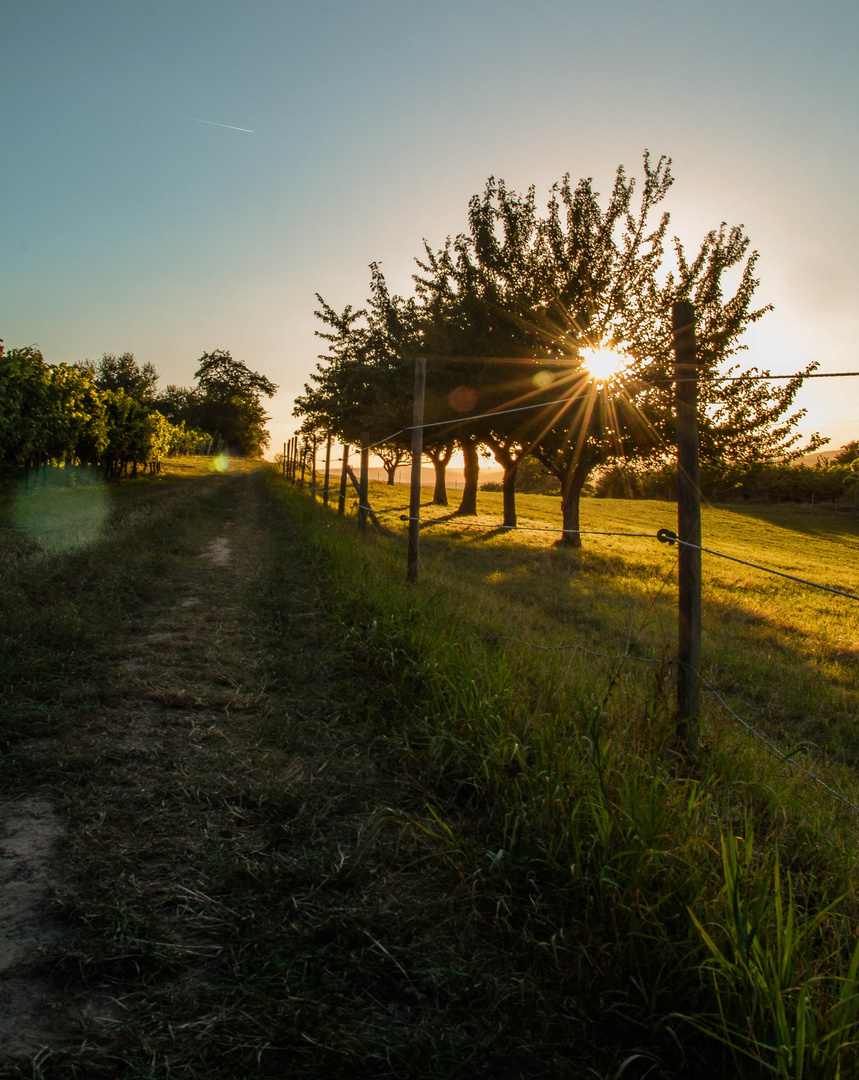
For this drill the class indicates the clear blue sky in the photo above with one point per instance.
(128, 226)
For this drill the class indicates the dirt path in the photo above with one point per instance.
(230, 870)
(214, 876)
(177, 682)
(30, 868)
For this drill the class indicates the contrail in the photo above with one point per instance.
(214, 123)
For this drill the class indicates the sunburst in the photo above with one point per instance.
(602, 365)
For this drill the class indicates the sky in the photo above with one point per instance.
(138, 214)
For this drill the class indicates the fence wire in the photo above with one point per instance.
(770, 745)
(666, 536)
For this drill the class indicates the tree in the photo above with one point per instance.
(227, 403)
(124, 373)
(363, 383)
(392, 455)
(509, 315)
(538, 294)
(848, 454)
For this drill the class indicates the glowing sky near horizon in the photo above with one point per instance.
(183, 176)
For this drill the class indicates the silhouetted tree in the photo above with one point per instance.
(227, 403)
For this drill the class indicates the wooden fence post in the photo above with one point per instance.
(327, 470)
(417, 454)
(688, 525)
(283, 462)
(364, 493)
(341, 505)
(313, 471)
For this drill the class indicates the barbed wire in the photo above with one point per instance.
(666, 381)
(454, 421)
(668, 537)
(748, 377)
(750, 728)
(524, 528)
(664, 536)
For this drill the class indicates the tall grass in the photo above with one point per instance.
(709, 904)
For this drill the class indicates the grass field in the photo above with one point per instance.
(321, 823)
(784, 654)
(577, 752)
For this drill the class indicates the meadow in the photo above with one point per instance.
(783, 653)
(719, 892)
(324, 823)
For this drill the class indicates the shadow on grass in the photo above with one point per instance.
(814, 520)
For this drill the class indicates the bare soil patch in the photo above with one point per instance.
(30, 869)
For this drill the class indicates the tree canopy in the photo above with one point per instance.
(511, 312)
(124, 373)
(66, 414)
(225, 403)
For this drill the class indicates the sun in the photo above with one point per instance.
(602, 364)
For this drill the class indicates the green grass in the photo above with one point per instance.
(785, 655)
(346, 827)
(596, 811)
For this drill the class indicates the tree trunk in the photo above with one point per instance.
(391, 471)
(440, 459)
(571, 493)
(471, 477)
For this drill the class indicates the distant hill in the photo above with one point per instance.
(821, 456)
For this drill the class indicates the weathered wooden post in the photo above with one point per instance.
(688, 525)
(327, 470)
(417, 454)
(363, 489)
(313, 471)
(303, 463)
(344, 476)
(283, 462)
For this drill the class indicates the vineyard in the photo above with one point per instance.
(108, 416)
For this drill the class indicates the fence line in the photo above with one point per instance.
(666, 536)
(750, 728)
(455, 421)
(668, 381)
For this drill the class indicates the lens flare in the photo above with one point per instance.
(602, 364)
(221, 463)
(69, 512)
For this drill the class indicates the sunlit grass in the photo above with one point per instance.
(784, 654)
(530, 705)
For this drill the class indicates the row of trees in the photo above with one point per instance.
(109, 414)
(509, 314)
